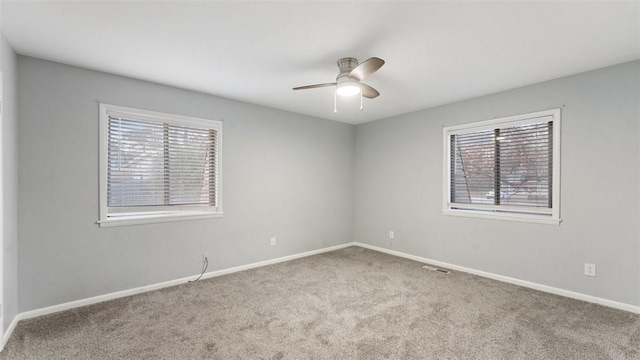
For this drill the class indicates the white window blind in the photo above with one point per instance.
(504, 166)
(156, 165)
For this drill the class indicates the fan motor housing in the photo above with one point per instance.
(346, 65)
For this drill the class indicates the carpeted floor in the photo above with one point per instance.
(348, 304)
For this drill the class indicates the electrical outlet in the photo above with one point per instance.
(273, 241)
(392, 234)
(589, 269)
(205, 258)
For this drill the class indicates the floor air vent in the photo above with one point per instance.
(433, 268)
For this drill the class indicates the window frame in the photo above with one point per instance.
(157, 214)
(504, 212)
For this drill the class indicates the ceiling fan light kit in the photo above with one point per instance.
(348, 82)
(347, 87)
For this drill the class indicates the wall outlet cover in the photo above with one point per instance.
(589, 269)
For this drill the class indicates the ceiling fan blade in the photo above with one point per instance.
(368, 91)
(366, 68)
(314, 86)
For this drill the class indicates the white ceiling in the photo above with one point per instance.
(435, 52)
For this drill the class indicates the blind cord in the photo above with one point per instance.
(205, 265)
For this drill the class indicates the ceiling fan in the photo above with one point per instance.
(349, 79)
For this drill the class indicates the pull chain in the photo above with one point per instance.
(361, 107)
(335, 102)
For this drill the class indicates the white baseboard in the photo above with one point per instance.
(119, 294)
(506, 279)
(9, 331)
(142, 289)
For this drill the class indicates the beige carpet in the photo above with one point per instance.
(348, 304)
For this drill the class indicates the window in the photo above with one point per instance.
(157, 167)
(506, 168)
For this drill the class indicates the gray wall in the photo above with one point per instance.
(285, 175)
(10, 181)
(399, 165)
(308, 181)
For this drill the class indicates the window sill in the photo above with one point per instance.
(536, 219)
(137, 219)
